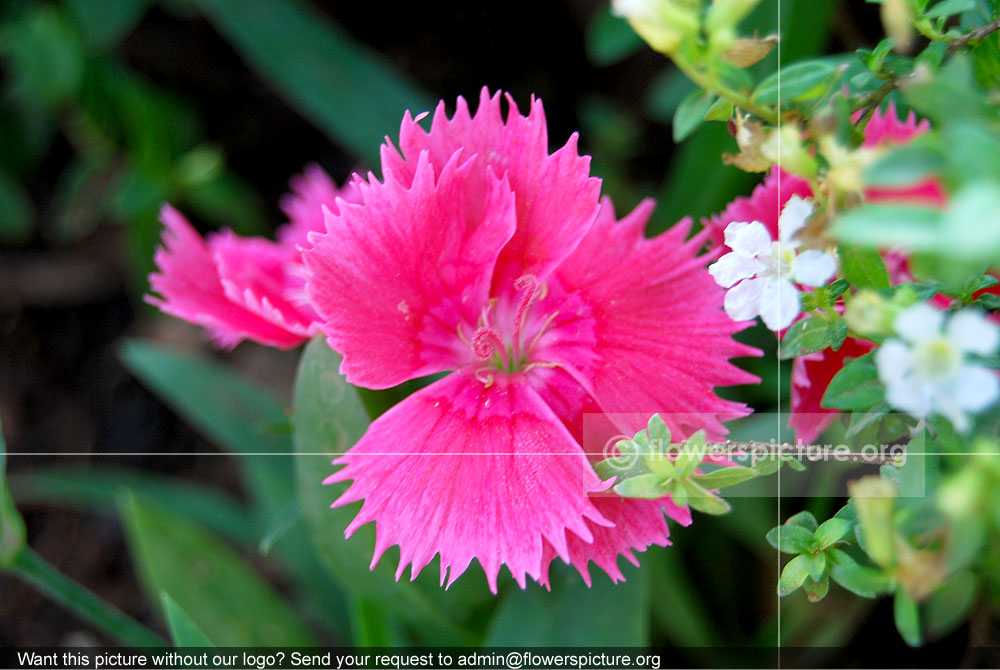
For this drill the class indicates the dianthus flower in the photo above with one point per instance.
(482, 254)
(244, 287)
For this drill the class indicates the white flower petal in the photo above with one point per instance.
(972, 333)
(918, 323)
(813, 267)
(976, 388)
(793, 219)
(742, 301)
(748, 239)
(733, 267)
(910, 395)
(893, 360)
(947, 407)
(779, 304)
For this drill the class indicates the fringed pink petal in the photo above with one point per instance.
(886, 127)
(190, 288)
(311, 191)
(469, 471)
(555, 194)
(662, 340)
(395, 277)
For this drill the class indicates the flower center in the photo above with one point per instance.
(936, 358)
(509, 328)
(779, 262)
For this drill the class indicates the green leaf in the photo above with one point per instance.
(102, 30)
(44, 56)
(813, 334)
(905, 165)
(649, 486)
(183, 630)
(881, 226)
(832, 531)
(727, 476)
(816, 565)
(96, 488)
(353, 94)
(793, 575)
(209, 580)
(232, 412)
(950, 603)
(949, 7)
(35, 570)
(574, 614)
(12, 533)
(691, 114)
(721, 110)
(803, 519)
(816, 590)
(790, 539)
(329, 417)
(702, 500)
(610, 39)
(800, 81)
(858, 579)
(907, 617)
(856, 386)
(978, 283)
(863, 267)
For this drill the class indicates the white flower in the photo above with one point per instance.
(926, 372)
(759, 271)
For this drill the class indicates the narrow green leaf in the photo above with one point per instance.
(103, 29)
(863, 267)
(856, 386)
(907, 617)
(353, 94)
(793, 575)
(209, 580)
(34, 569)
(282, 523)
(96, 489)
(237, 415)
(12, 533)
(790, 539)
(691, 114)
(723, 477)
(183, 631)
(813, 334)
(800, 81)
(950, 603)
(721, 110)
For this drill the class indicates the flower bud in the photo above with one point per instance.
(726, 14)
(785, 148)
(897, 19)
(664, 24)
(874, 499)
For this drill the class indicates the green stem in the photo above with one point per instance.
(711, 84)
(37, 571)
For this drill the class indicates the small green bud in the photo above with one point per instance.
(664, 24)
(874, 498)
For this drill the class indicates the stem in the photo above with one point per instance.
(713, 85)
(873, 100)
(35, 570)
(975, 35)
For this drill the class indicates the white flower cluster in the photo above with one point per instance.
(760, 272)
(926, 370)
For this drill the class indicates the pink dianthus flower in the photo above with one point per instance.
(482, 254)
(244, 287)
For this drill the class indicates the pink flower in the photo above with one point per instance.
(244, 287)
(811, 374)
(482, 254)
